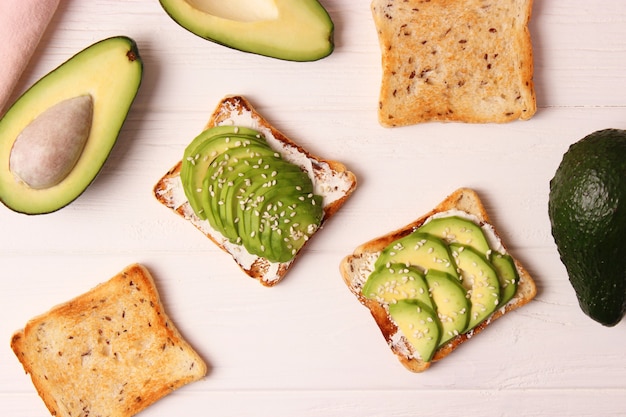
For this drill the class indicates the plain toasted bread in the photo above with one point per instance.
(331, 180)
(112, 351)
(454, 60)
(356, 268)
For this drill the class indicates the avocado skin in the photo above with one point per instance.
(588, 218)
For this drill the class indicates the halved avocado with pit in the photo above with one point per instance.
(293, 30)
(109, 73)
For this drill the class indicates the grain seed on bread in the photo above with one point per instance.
(111, 351)
(454, 60)
(357, 267)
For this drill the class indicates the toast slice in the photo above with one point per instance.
(330, 178)
(454, 60)
(356, 268)
(111, 351)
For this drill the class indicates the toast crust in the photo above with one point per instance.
(331, 179)
(454, 61)
(110, 351)
(355, 269)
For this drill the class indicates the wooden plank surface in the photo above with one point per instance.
(306, 347)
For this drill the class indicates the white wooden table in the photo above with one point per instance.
(306, 347)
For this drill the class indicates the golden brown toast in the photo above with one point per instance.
(356, 268)
(111, 351)
(454, 60)
(331, 180)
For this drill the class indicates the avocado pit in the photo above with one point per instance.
(47, 150)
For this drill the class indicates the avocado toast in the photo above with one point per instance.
(230, 204)
(426, 312)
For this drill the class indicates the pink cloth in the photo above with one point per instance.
(22, 24)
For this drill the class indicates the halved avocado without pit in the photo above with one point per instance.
(292, 30)
(67, 123)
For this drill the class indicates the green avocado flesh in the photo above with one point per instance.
(480, 279)
(201, 152)
(249, 194)
(56, 137)
(451, 304)
(459, 230)
(419, 324)
(293, 30)
(587, 210)
(457, 285)
(388, 284)
(420, 250)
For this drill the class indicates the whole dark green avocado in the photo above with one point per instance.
(587, 209)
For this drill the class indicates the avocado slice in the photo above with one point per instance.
(228, 174)
(201, 152)
(296, 217)
(507, 274)
(237, 182)
(248, 204)
(388, 284)
(587, 210)
(214, 186)
(451, 304)
(419, 249)
(108, 74)
(419, 324)
(294, 30)
(481, 281)
(291, 214)
(457, 229)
